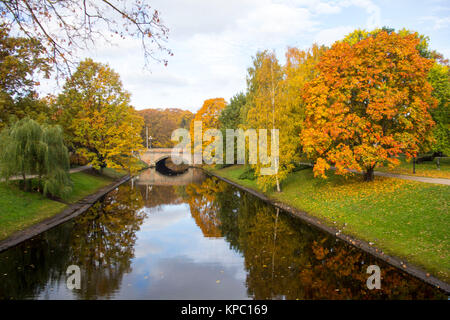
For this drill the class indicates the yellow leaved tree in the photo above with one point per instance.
(99, 122)
(208, 115)
(275, 101)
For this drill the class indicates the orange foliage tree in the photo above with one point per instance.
(209, 116)
(370, 102)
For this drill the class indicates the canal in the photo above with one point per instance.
(194, 237)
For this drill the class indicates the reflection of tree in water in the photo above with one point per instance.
(25, 270)
(204, 208)
(156, 196)
(103, 241)
(286, 258)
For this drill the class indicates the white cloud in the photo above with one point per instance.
(329, 36)
(213, 42)
(437, 22)
(318, 6)
(373, 11)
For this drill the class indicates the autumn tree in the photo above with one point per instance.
(99, 122)
(275, 101)
(63, 27)
(439, 78)
(21, 59)
(370, 102)
(300, 68)
(209, 116)
(262, 110)
(361, 34)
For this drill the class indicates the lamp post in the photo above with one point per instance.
(148, 138)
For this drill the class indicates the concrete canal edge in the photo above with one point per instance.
(360, 244)
(70, 212)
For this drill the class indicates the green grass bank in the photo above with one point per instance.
(20, 209)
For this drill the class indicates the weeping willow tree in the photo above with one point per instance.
(28, 148)
(56, 180)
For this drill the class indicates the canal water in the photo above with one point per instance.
(194, 237)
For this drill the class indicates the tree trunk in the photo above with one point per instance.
(368, 174)
(102, 166)
(24, 176)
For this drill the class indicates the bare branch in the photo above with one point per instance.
(65, 26)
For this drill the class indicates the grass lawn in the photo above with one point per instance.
(406, 219)
(424, 169)
(85, 184)
(19, 209)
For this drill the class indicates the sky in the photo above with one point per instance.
(213, 42)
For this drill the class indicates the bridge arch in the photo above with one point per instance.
(168, 157)
(152, 156)
(171, 168)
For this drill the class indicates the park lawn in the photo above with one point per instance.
(84, 184)
(406, 219)
(424, 169)
(19, 209)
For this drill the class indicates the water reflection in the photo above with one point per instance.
(104, 240)
(200, 240)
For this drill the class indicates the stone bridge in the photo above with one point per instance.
(153, 155)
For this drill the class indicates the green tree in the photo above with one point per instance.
(230, 117)
(97, 117)
(28, 148)
(439, 77)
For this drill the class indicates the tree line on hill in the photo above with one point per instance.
(160, 124)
